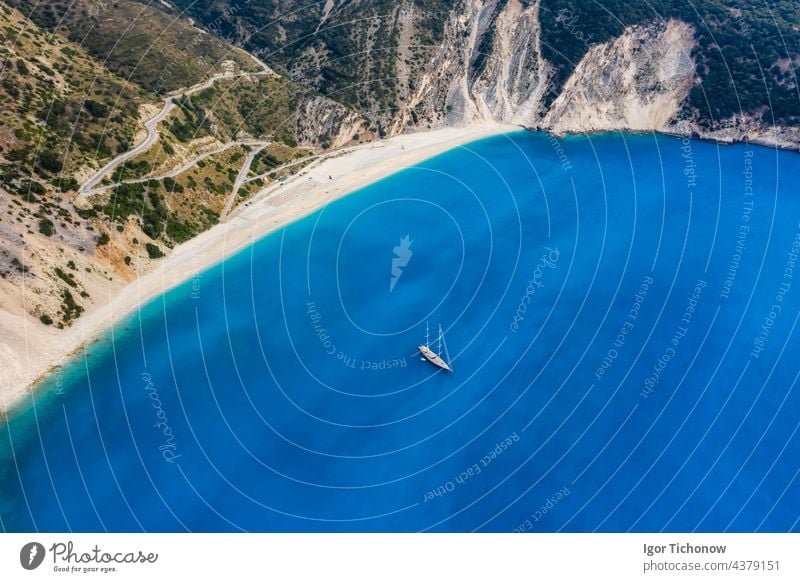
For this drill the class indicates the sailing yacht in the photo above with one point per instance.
(428, 354)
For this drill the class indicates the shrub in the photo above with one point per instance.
(50, 161)
(46, 227)
(86, 212)
(72, 309)
(96, 108)
(153, 251)
(68, 278)
(180, 231)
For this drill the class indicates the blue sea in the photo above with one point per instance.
(620, 313)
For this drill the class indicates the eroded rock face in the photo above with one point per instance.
(409, 65)
(322, 122)
(635, 82)
(485, 64)
(489, 67)
(512, 83)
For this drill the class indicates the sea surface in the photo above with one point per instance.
(620, 312)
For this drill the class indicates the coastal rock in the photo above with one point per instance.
(636, 82)
(744, 128)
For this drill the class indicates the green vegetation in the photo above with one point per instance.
(17, 264)
(180, 231)
(153, 251)
(171, 185)
(276, 155)
(117, 34)
(264, 107)
(46, 319)
(68, 278)
(59, 116)
(352, 58)
(131, 170)
(130, 199)
(191, 123)
(46, 227)
(69, 308)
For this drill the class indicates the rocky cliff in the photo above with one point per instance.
(708, 69)
(636, 82)
(489, 67)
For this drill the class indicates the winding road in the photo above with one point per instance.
(260, 144)
(89, 187)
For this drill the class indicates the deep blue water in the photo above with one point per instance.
(620, 312)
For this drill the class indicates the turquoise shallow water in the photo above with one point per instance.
(620, 312)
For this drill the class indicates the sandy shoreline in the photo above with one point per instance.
(38, 353)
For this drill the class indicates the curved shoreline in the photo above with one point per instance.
(268, 210)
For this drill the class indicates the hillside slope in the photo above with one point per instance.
(69, 109)
(416, 63)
